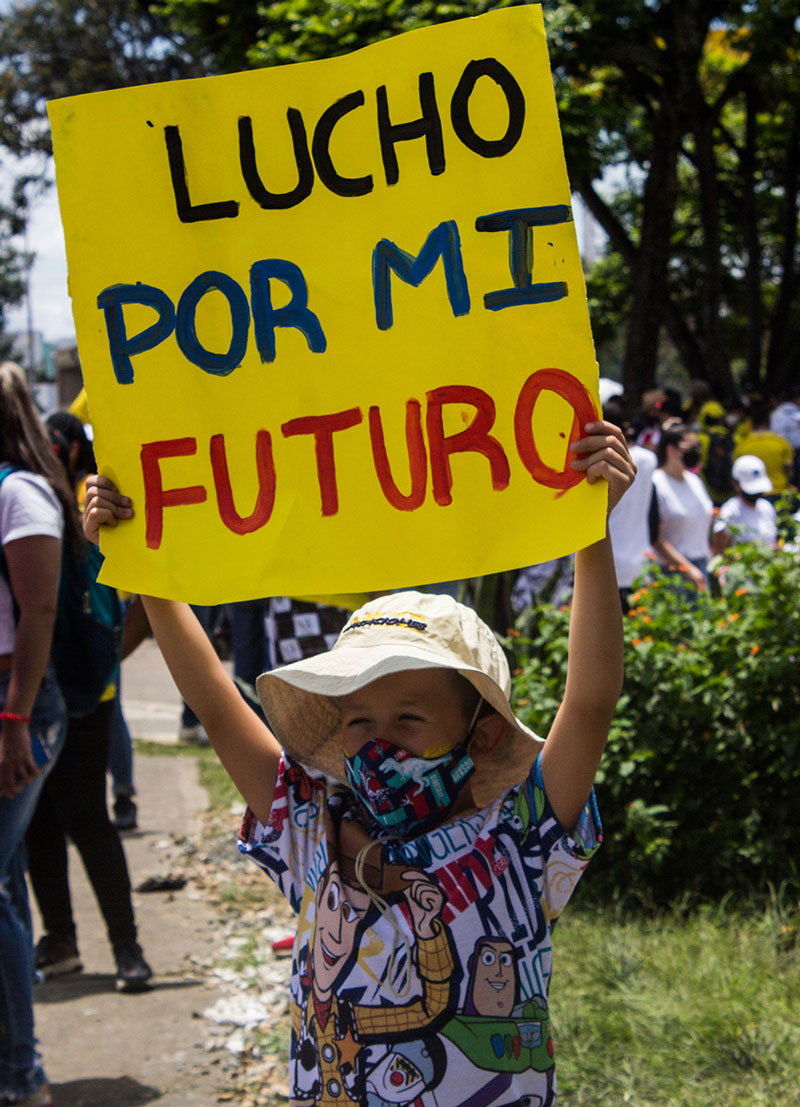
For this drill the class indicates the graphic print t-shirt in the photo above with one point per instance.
(430, 988)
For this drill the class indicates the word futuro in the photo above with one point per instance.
(429, 451)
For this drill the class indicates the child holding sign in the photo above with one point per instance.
(425, 837)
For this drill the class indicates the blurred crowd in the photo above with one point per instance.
(709, 475)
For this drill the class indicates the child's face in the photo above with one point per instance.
(423, 711)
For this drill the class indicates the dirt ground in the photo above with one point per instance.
(104, 1049)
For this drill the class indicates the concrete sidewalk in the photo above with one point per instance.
(103, 1049)
(150, 701)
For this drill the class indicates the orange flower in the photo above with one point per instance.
(636, 642)
(740, 592)
(734, 615)
(648, 638)
(754, 650)
(647, 618)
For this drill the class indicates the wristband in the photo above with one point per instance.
(13, 717)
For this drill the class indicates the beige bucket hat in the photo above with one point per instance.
(405, 630)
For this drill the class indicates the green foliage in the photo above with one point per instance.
(242, 36)
(698, 787)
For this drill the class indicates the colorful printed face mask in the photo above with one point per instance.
(404, 793)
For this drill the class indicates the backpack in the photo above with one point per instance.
(87, 635)
(719, 462)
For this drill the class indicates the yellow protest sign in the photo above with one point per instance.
(332, 319)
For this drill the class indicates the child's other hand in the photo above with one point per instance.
(603, 454)
(104, 506)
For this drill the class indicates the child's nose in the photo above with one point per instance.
(384, 731)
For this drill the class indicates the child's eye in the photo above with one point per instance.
(411, 719)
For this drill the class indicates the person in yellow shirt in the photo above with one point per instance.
(774, 450)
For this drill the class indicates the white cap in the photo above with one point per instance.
(750, 474)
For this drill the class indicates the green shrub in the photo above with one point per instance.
(699, 788)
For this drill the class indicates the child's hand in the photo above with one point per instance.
(604, 455)
(424, 900)
(104, 506)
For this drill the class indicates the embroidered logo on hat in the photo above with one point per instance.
(386, 621)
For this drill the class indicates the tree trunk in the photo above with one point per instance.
(755, 314)
(782, 355)
(649, 270)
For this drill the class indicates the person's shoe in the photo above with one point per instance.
(133, 972)
(124, 813)
(194, 735)
(40, 1098)
(57, 956)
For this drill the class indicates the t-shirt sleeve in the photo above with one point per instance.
(286, 846)
(727, 516)
(29, 507)
(564, 856)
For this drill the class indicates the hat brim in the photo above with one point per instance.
(759, 486)
(300, 701)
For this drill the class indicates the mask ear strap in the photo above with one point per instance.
(386, 911)
(474, 720)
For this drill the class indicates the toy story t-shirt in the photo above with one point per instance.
(421, 967)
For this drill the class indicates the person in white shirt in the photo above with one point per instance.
(747, 516)
(628, 522)
(682, 510)
(785, 421)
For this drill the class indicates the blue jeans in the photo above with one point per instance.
(247, 620)
(21, 1073)
(206, 617)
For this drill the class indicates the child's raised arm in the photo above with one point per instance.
(579, 733)
(245, 746)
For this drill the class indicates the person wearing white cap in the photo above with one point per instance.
(747, 516)
(425, 836)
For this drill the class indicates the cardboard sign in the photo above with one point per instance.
(332, 319)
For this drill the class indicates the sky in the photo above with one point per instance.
(50, 302)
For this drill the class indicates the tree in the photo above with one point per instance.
(12, 269)
(677, 93)
(247, 36)
(54, 48)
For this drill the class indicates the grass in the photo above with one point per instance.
(697, 1011)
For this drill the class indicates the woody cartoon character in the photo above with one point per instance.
(330, 1032)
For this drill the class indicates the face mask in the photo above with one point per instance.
(406, 794)
(691, 457)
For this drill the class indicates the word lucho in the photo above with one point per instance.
(474, 438)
